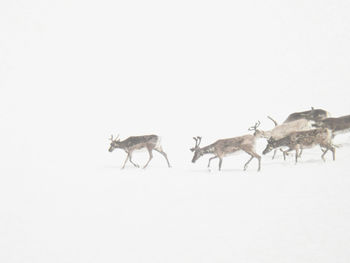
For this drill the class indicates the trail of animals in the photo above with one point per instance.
(301, 130)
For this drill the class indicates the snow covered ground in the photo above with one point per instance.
(74, 72)
(98, 213)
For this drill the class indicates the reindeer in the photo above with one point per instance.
(224, 147)
(336, 125)
(300, 140)
(279, 131)
(312, 115)
(150, 142)
(282, 130)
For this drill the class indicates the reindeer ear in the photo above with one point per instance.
(192, 149)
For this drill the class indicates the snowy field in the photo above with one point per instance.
(74, 72)
(98, 213)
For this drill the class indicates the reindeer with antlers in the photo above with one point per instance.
(297, 121)
(150, 142)
(224, 147)
(282, 130)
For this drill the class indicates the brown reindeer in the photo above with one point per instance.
(302, 140)
(224, 147)
(282, 130)
(336, 125)
(150, 142)
(297, 121)
(313, 115)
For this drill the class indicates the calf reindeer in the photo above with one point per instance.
(150, 142)
(302, 140)
(336, 125)
(224, 147)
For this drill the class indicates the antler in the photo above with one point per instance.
(275, 122)
(116, 138)
(255, 127)
(198, 141)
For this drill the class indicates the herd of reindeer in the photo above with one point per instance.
(301, 130)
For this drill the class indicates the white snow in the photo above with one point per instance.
(74, 72)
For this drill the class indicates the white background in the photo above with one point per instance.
(74, 72)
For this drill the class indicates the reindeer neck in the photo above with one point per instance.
(208, 149)
(122, 145)
(283, 142)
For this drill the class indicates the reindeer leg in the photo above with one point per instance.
(284, 155)
(274, 154)
(333, 152)
(253, 154)
(150, 157)
(220, 163)
(327, 147)
(300, 153)
(324, 153)
(136, 165)
(246, 164)
(297, 148)
(127, 158)
(212, 158)
(164, 154)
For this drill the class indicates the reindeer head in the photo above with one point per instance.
(114, 143)
(257, 132)
(196, 149)
(271, 144)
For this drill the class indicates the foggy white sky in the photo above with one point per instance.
(80, 70)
